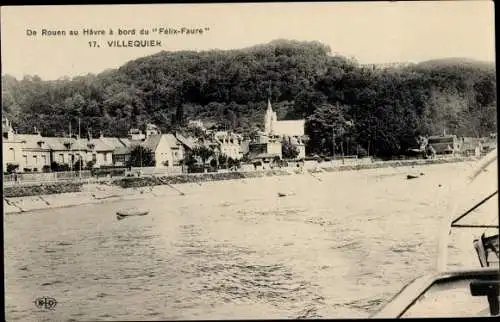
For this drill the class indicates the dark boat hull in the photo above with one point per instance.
(125, 214)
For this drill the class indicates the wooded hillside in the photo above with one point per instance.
(383, 109)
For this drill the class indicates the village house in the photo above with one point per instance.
(136, 135)
(471, 146)
(100, 152)
(228, 144)
(444, 144)
(29, 152)
(489, 143)
(197, 124)
(167, 150)
(152, 129)
(11, 147)
(120, 152)
(67, 150)
(35, 152)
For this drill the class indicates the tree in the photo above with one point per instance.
(204, 153)
(189, 159)
(78, 165)
(289, 150)
(324, 126)
(11, 167)
(141, 157)
(90, 165)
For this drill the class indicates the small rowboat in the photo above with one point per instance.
(121, 214)
(281, 194)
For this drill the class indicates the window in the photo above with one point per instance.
(44, 159)
(61, 157)
(105, 156)
(12, 154)
(94, 157)
(35, 160)
(25, 158)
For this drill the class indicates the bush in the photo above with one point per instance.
(11, 168)
(42, 189)
(362, 153)
(90, 165)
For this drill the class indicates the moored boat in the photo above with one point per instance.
(120, 214)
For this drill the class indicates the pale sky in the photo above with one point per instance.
(377, 32)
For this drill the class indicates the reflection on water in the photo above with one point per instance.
(337, 248)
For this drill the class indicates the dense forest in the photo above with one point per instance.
(379, 110)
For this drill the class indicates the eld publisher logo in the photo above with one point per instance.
(46, 303)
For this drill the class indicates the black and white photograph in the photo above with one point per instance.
(278, 160)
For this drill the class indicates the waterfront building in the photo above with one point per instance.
(444, 144)
(167, 150)
(120, 152)
(11, 146)
(136, 135)
(67, 150)
(35, 152)
(268, 144)
(100, 151)
(292, 130)
(471, 146)
(228, 144)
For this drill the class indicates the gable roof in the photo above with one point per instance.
(185, 141)
(433, 139)
(292, 128)
(112, 142)
(62, 144)
(100, 145)
(171, 139)
(442, 147)
(31, 141)
(152, 142)
(123, 150)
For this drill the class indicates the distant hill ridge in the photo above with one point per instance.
(231, 87)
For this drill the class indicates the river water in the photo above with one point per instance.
(339, 246)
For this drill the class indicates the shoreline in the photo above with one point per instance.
(144, 187)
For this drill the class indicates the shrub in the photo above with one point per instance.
(362, 152)
(12, 167)
(41, 189)
(90, 165)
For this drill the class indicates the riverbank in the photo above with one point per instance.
(30, 198)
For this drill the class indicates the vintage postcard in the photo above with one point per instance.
(249, 161)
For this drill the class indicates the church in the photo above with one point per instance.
(273, 127)
(268, 144)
